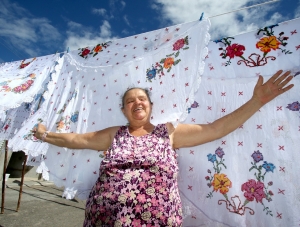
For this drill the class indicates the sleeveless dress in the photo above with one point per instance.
(137, 184)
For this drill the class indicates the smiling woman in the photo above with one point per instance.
(137, 183)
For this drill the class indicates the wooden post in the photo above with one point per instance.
(22, 181)
(3, 179)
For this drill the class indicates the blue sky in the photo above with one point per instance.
(37, 28)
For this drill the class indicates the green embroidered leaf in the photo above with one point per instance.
(169, 69)
(177, 61)
(186, 40)
(177, 53)
(162, 60)
(185, 48)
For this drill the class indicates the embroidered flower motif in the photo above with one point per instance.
(295, 106)
(254, 190)
(221, 182)
(60, 125)
(194, 105)
(219, 152)
(168, 63)
(235, 50)
(266, 44)
(151, 74)
(23, 65)
(269, 167)
(85, 52)
(97, 48)
(178, 44)
(211, 157)
(74, 117)
(257, 156)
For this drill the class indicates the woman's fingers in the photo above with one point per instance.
(280, 78)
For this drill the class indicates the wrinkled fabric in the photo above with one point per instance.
(87, 96)
(249, 177)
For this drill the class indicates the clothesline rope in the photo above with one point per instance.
(248, 7)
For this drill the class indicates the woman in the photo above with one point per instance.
(137, 184)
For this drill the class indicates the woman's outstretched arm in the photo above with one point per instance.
(99, 140)
(187, 135)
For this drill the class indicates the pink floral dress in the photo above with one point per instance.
(137, 185)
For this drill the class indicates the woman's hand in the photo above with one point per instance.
(39, 131)
(275, 86)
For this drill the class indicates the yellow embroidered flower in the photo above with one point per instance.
(221, 182)
(265, 44)
(60, 125)
(168, 63)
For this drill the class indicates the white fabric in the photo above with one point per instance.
(89, 91)
(23, 138)
(20, 83)
(274, 131)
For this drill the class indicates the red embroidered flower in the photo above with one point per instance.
(178, 44)
(235, 50)
(254, 190)
(85, 52)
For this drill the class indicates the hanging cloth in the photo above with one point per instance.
(249, 177)
(92, 80)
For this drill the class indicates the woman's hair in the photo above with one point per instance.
(146, 90)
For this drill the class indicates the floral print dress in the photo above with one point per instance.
(137, 185)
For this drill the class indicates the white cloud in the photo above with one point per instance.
(82, 36)
(117, 5)
(123, 3)
(126, 20)
(178, 11)
(22, 32)
(100, 11)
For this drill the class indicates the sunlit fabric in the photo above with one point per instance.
(249, 177)
(87, 96)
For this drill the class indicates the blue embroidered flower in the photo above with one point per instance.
(220, 152)
(268, 166)
(74, 117)
(295, 106)
(151, 73)
(211, 158)
(257, 156)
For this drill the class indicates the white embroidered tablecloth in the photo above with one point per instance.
(249, 177)
(88, 94)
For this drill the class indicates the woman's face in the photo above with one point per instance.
(137, 105)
